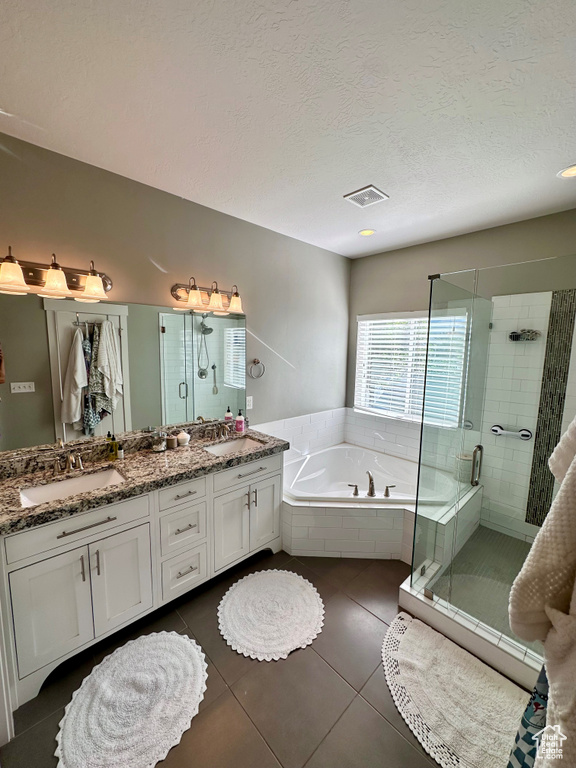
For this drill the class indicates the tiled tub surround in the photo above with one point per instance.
(143, 470)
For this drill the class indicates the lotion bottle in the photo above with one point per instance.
(228, 415)
(240, 422)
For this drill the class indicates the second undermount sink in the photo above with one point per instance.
(62, 489)
(233, 446)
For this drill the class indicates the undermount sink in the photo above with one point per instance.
(61, 489)
(233, 446)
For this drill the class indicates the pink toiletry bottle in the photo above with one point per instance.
(240, 422)
(228, 415)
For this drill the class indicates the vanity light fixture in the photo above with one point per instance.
(215, 305)
(11, 276)
(55, 286)
(236, 302)
(567, 173)
(194, 300)
(366, 232)
(94, 289)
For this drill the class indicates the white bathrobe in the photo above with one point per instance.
(75, 380)
(543, 598)
(109, 363)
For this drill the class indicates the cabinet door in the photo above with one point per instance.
(52, 608)
(264, 511)
(121, 572)
(231, 527)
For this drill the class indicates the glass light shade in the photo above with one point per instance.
(194, 302)
(93, 290)
(55, 286)
(12, 279)
(215, 304)
(236, 305)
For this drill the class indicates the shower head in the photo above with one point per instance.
(204, 328)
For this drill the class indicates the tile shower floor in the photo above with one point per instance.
(325, 706)
(480, 578)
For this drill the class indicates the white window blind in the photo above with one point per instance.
(391, 363)
(235, 358)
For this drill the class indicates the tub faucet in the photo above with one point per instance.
(371, 491)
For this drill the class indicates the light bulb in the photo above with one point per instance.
(11, 277)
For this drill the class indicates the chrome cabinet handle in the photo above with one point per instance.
(183, 530)
(255, 497)
(185, 573)
(83, 565)
(253, 472)
(248, 497)
(477, 455)
(98, 562)
(85, 528)
(184, 495)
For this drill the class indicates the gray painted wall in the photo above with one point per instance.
(398, 280)
(295, 295)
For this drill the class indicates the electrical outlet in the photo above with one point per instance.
(21, 386)
(249, 403)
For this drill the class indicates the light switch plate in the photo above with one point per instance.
(17, 387)
(249, 403)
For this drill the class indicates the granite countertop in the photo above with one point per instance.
(144, 471)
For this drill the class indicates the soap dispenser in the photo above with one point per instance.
(240, 422)
(228, 415)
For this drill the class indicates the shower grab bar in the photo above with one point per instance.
(521, 434)
(477, 455)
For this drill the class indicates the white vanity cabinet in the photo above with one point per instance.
(248, 517)
(69, 583)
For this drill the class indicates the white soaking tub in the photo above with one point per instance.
(325, 476)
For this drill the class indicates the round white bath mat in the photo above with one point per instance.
(463, 712)
(134, 706)
(268, 614)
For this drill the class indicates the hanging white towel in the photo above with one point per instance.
(74, 381)
(543, 599)
(564, 453)
(109, 363)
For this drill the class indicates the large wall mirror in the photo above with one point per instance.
(173, 367)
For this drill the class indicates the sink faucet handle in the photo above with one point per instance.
(353, 485)
(387, 491)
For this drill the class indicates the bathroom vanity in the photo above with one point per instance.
(76, 569)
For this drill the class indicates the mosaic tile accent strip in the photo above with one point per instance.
(552, 396)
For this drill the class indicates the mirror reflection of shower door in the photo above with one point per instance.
(176, 365)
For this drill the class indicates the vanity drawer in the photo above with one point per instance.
(73, 528)
(182, 572)
(182, 528)
(246, 473)
(178, 494)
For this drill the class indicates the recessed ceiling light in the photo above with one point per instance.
(567, 173)
(366, 232)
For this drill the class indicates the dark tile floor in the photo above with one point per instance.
(325, 706)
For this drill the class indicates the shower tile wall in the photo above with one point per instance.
(512, 399)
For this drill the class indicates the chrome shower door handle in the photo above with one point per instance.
(180, 395)
(477, 455)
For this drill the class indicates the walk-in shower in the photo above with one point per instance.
(500, 389)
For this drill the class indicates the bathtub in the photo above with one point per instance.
(325, 476)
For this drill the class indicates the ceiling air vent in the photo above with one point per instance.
(366, 196)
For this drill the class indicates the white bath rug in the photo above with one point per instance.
(463, 712)
(268, 614)
(134, 706)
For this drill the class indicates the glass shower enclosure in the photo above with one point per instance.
(500, 388)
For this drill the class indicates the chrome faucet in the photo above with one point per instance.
(371, 491)
(387, 491)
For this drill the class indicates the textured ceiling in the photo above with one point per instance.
(461, 111)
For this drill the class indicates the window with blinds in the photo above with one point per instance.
(391, 365)
(235, 358)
